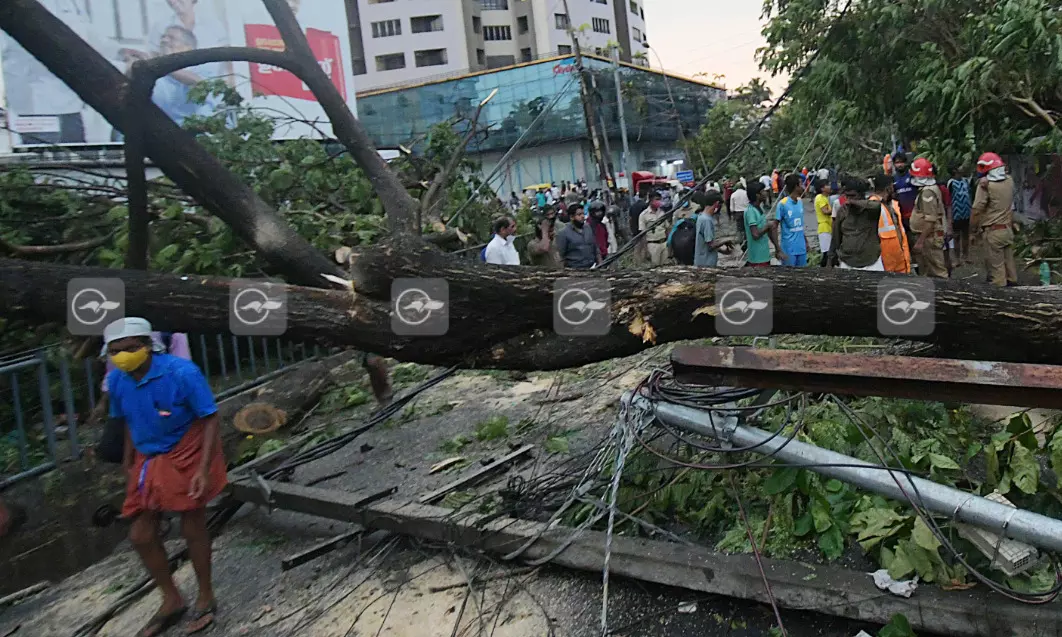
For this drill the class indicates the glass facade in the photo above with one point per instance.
(397, 117)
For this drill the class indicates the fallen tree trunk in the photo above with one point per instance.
(502, 317)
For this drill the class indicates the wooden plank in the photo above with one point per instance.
(1014, 384)
(325, 503)
(320, 549)
(826, 589)
(475, 477)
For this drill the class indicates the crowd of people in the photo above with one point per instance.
(904, 218)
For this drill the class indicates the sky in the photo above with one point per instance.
(708, 36)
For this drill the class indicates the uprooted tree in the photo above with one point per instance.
(499, 317)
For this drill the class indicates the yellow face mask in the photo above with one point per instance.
(130, 361)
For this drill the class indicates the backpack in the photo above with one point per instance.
(683, 240)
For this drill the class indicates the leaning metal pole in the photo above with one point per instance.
(1019, 524)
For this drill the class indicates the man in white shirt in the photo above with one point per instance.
(500, 250)
(766, 181)
(739, 202)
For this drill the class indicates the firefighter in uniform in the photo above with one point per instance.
(930, 222)
(993, 217)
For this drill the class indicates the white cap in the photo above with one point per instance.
(126, 328)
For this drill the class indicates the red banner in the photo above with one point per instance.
(270, 80)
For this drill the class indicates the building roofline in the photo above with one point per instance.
(554, 58)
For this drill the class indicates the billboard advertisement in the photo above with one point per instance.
(41, 110)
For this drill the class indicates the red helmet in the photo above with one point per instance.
(989, 161)
(922, 168)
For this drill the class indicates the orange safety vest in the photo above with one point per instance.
(895, 253)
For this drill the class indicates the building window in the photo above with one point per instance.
(564, 49)
(386, 29)
(634, 7)
(135, 28)
(601, 25)
(641, 12)
(430, 57)
(481, 57)
(379, 1)
(637, 34)
(391, 62)
(495, 5)
(600, 1)
(498, 61)
(359, 67)
(477, 25)
(521, 25)
(561, 19)
(525, 55)
(504, 32)
(426, 23)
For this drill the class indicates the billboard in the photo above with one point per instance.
(41, 110)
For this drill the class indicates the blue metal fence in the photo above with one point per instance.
(44, 382)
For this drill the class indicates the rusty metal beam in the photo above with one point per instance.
(946, 380)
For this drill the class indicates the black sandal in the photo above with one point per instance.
(198, 614)
(161, 623)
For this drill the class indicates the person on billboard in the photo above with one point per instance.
(208, 33)
(42, 109)
(171, 92)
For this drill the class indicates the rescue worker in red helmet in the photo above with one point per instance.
(992, 219)
(930, 221)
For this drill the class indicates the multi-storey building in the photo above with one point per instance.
(396, 42)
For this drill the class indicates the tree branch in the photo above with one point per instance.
(400, 207)
(427, 200)
(1033, 109)
(60, 248)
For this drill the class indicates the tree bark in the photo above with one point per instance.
(502, 317)
(175, 151)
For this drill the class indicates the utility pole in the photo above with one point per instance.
(622, 120)
(588, 107)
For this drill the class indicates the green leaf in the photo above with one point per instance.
(940, 461)
(803, 525)
(834, 486)
(923, 536)
(898, 626)
(1056, 455)
(166, 253)
(832, 543)
(781, 480)
(1025, 469)
(820, 513)
(900, 566)
(1021, 427)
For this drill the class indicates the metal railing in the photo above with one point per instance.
(50, 395)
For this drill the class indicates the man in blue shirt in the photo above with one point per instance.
(905, 192)
(173, 460)
(791, 219)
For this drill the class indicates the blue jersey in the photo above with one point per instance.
(791, 218)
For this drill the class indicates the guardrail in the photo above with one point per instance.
(51, 395)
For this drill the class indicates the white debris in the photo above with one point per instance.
(863, 633)
(688, 607)
(883, 581)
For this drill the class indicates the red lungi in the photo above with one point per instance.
(164, 484)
